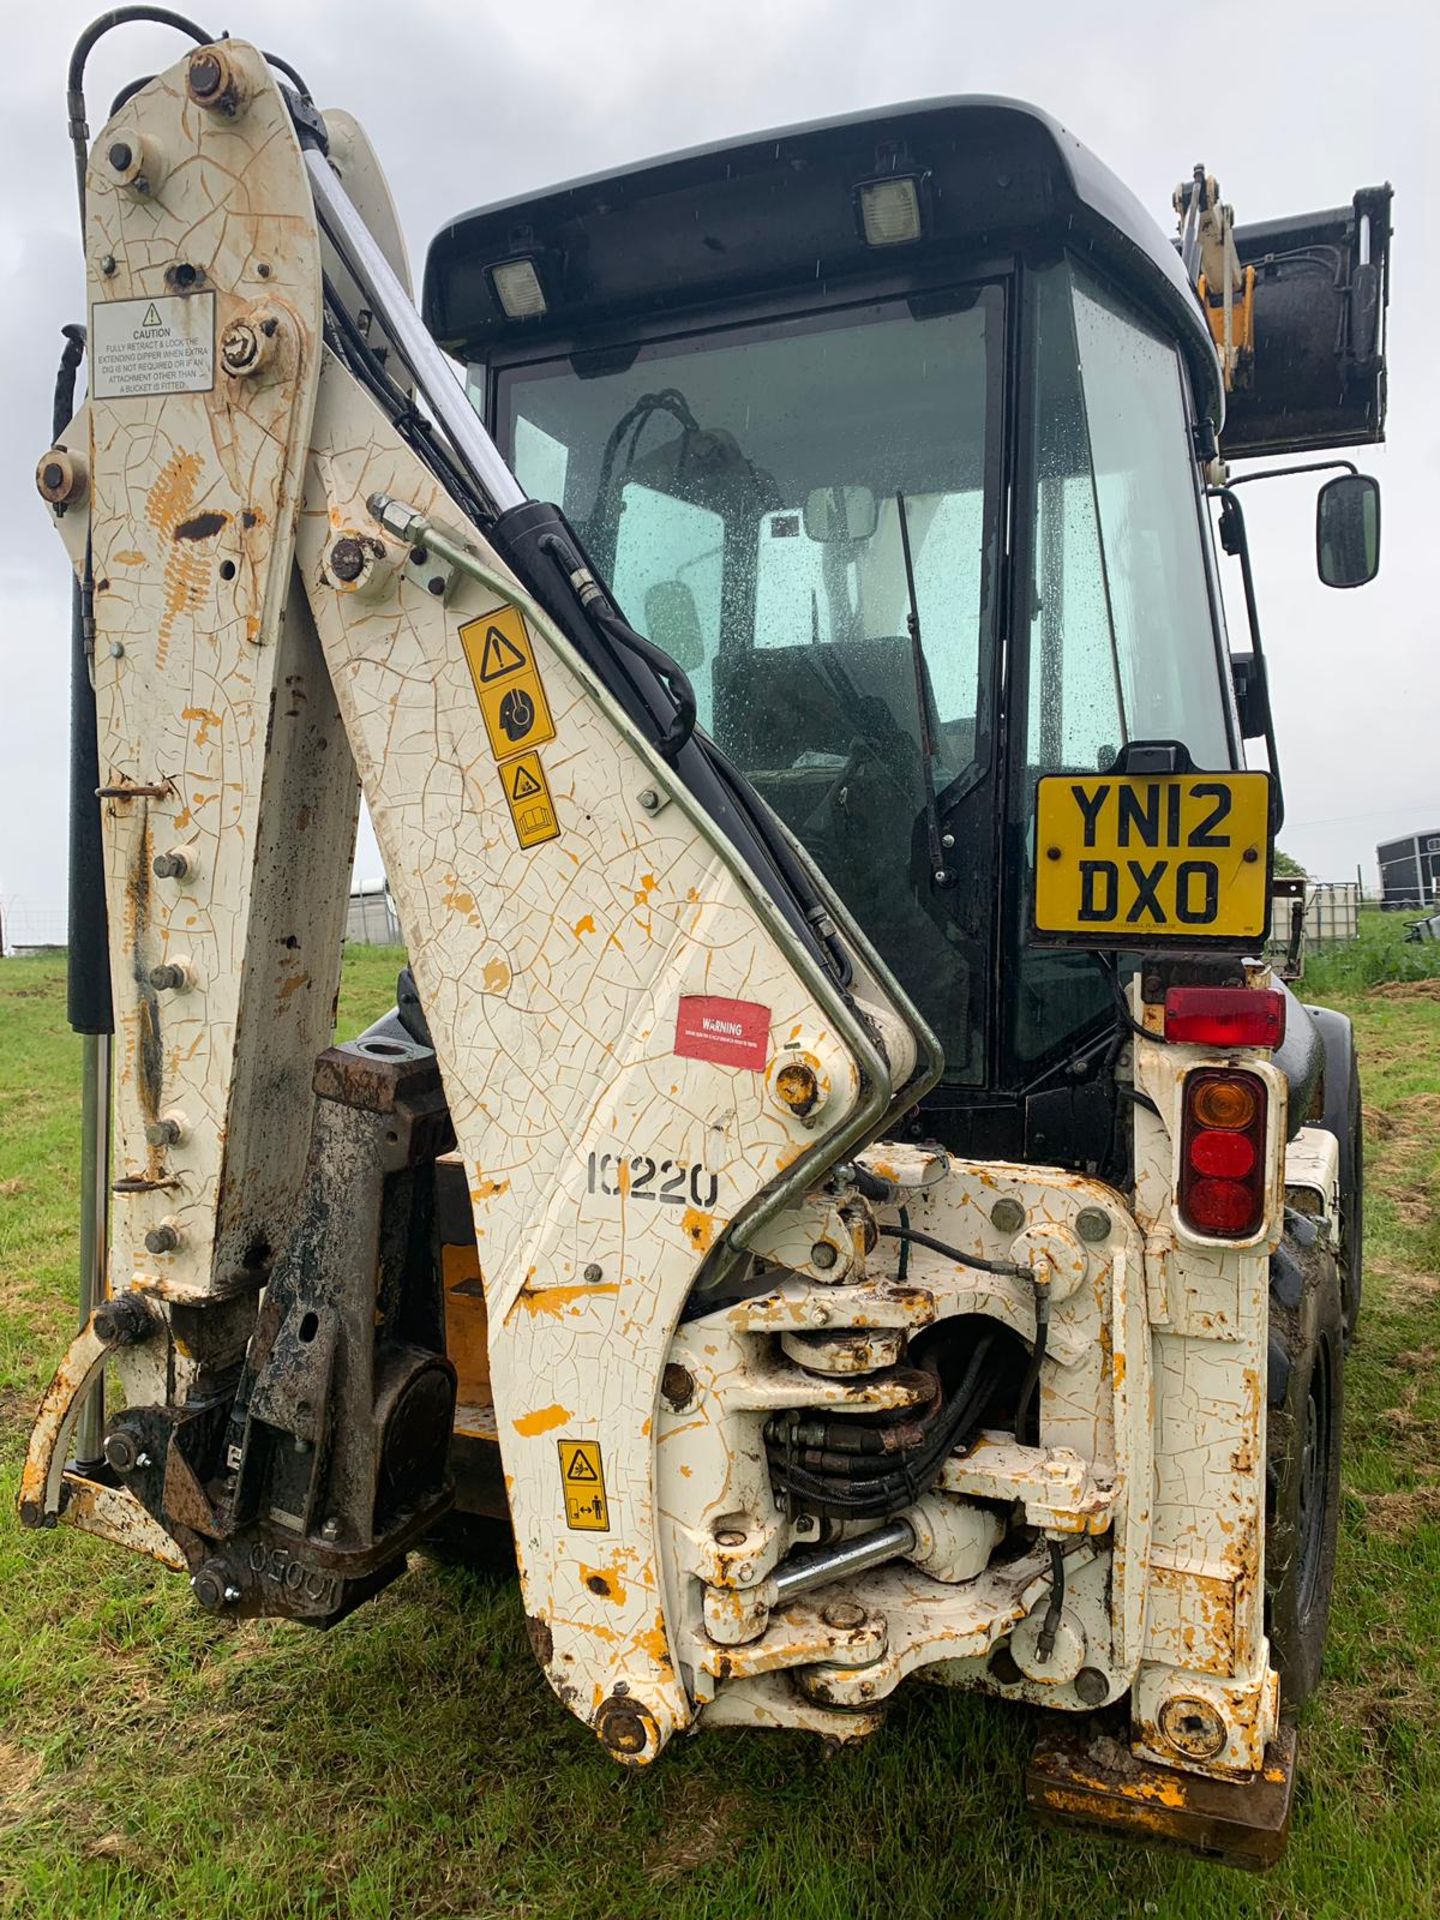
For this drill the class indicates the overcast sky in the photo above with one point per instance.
(1291, 106)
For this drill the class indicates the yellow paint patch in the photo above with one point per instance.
(489, 1189)
(587, 925)
(128, 557)
(206, 718)
(553, 1301)
(543, 1420)
(496, 976)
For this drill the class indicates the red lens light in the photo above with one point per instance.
(1224, 1016)
(1228, 1156)
(1221, 1207)
(1223, 1185)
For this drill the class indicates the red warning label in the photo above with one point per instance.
(732, 1033)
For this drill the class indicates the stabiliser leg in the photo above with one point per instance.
(1086, 1775)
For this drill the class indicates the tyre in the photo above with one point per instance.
(1352, 1210)
(1303, 1475)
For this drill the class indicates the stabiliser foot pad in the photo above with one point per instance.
(1084, 1775)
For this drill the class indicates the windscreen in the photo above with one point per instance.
(743, 491)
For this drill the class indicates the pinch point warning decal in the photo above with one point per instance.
(582, 1479)
(730, 1033)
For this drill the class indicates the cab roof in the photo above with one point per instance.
(774, 215)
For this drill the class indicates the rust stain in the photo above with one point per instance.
(293, 985)
(489, 1189)
(543, 1420)
(605, 1582)
(187, 573)
(200, 526)
(700, 1227)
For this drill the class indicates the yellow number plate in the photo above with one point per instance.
(1136, 862)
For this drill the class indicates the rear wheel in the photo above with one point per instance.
(1303, 1476)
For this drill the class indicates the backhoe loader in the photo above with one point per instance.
(838, 1183)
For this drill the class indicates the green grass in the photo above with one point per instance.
(412, 1762)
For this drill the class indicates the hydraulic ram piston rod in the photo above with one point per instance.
(891, 1542)
(395, 311)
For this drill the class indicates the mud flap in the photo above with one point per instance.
(1084, 1775)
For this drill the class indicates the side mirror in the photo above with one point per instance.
(672, 622)
(1347, 530)
(841, 513)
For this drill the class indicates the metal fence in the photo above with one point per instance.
(370, 918)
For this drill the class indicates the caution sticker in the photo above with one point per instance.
(582, 1479)
(162, 345)
(507, 682)
(527, 794)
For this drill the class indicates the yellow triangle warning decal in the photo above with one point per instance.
(581, 1469)
(152, 318)
(525, 784)
(499, 656)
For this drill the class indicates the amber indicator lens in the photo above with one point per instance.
(1224, 1103)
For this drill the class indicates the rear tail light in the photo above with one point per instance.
(1222, 1153)
(1225, 1016)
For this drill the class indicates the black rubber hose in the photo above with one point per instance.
(1031, 1379)
(79, 128)
(1050, 1625)
(87, 986)
(1010, 1269)
(903, 1482)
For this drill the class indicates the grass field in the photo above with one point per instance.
(413, 1762)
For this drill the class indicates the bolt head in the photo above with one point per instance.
(650, 800)
(161, 1240)
(844, 1616)
(120, 156)
(1007, 1215)
(107, 264)
(1092, 1686)
(122, 1450)
(1093, 1224)
(240, 348)
(162, 1133)
(206, 75)
(347, 558)
(824, 1254)
(594, 1273)
(330, 1530)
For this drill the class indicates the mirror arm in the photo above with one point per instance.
(1280, 473)
(1232, 528)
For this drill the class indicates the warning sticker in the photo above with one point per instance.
(164, 345)
(507, 682)
(731, 1033)
(582, 1480)
(527, 794)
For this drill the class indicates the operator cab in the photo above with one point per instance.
(889, 430)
